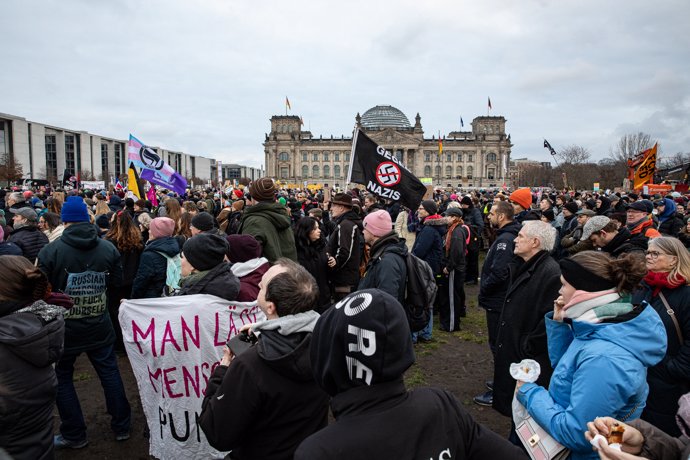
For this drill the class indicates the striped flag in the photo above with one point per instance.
(462, 124)
(287, 103)
(440, 144)
(490, 104)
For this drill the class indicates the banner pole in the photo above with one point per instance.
(355, 133)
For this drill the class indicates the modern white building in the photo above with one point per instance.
(45, 151)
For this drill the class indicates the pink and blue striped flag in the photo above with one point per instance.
(153, 168)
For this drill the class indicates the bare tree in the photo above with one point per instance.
(630, 145)
(574, 155)
(10, 169)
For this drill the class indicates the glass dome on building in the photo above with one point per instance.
(384, 116)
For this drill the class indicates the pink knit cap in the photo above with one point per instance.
(161, 227)
(378, 223)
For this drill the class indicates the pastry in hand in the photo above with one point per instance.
(616, 434)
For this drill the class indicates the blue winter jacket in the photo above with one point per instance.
(428, 244)
(599, 370)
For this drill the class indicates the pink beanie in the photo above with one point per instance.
(378, 223)
(161, 227)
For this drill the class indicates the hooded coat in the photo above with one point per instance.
(369, 401)
(219, 281)
(624, 243)
(598, 369)
(31, 341)
(268, 223)
(266, 401)
(670, 222)
(386, 269)
(153, 267)
(70, 263)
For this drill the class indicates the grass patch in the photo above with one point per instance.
(81, 376)
(414, 377)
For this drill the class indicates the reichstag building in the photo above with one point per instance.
(476, 158)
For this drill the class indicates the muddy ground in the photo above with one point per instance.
(459, 362)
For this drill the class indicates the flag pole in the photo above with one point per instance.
(355, 133)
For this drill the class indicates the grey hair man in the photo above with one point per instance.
(532, 289)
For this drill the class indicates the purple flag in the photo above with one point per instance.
(176, 183)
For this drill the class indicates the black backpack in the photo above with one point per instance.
(420, 292)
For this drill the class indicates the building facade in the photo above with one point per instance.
(45, 151)
(476, 158)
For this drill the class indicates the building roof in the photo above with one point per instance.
(384, 116)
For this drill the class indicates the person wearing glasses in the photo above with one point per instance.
(666, 288)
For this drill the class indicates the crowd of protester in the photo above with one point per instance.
(594, 286)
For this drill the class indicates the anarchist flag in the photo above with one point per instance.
(382, 173)
(548, 146)
(69, 179)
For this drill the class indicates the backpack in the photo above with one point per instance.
(172, 274)
(420, 292)
(471, 238)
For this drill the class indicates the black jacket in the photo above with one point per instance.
(266, 402)
(670, 379)
(220, 281)
(345, 244)
(314, 259)
(428, 243)
(29, 345)
(533, 287)
(386, 269)
(624, 243)
(495, 273)
(86, 268)
(426, 423)
(455, 257)
(30, 240)
(153, 267)
(672, 225)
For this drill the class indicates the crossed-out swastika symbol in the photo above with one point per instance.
(388, 174)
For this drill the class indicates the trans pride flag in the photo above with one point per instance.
(153, 168)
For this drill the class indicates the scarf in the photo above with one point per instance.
(659, 280)
(193, 278)
(449, 235)
(594, 307)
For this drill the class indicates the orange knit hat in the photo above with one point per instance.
(523, 197)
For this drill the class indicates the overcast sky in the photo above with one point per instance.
(205, 76)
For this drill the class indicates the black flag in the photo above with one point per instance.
(382, 173)
(548, 146)
(69, 180)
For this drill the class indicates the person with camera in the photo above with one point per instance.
(262, 400)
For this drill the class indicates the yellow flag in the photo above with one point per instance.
(133, 181)
(645, 172)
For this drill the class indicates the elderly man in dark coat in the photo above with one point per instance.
(533, 287)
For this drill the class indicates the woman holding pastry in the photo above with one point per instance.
(600, 346)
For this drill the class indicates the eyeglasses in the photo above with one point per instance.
(654, 254)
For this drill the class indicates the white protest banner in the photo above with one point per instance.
(174, 344)
(93, 184)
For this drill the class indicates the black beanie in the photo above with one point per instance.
(204, 251)
(571, 206)
(430, 207)
(373, 320)
(203, 221)
(466, 200)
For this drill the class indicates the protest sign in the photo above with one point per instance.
(174, 344)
